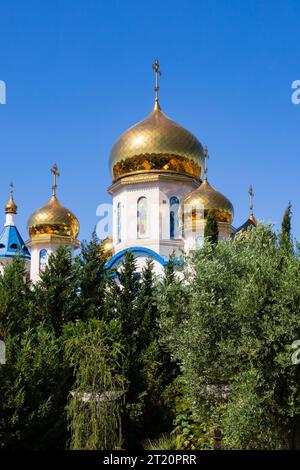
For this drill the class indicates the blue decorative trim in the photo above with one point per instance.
(163, 260)
(12, 244)
(28, 257)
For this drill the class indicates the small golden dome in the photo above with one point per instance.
(53, 219)
(253, 219)
(156, 144)
(11, 207)
(107, 244)
(107, 247)
(207, 199)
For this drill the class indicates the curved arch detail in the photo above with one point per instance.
(139, 250)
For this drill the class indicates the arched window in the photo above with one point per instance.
(43, 260)
(174, 218)
(142, 217)
(119, 223)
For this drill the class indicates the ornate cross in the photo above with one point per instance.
(55, 172)
(11, 185)
(155, 67)
(205, 158)
(251, 194)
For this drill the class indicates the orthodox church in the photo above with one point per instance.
(160, 193)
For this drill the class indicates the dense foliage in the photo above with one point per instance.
(99, 360)
(233, 339)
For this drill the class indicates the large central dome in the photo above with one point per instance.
(156, 144)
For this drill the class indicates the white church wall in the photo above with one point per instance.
(35, 259)
(158, 196)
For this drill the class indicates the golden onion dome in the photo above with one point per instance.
(11, 207)
(207, 199)
(107, 244)
(53, 219)
(156, 144)
(107, 247)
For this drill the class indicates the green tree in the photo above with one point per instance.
(34, 385)
(56, 296)
(169, 271)
(127, 295)
(92, 279)
(211, 230)
(147, 306)
(149, 373)
(237, 325)
(95, 350)
(14, 299)
(157, 369)
(125, 291)
(285, 236)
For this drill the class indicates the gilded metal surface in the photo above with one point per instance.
(150, 162)
(11, 207)
(156, 143)
(53, 218)
(207, 198)
(107, 247)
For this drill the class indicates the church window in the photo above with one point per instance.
(174, 217)
(43, 260)
(119, 223)
(142, 216)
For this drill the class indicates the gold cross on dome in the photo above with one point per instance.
(155, 67)
(55, 172)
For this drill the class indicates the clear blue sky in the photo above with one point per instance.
(78, 73)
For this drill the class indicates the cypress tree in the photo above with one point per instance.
(157, 370)
(285, 236)
(92, 279)
(126, 292)
(56, 296)
(127, 299)
(147, 306)
(169, 270)
(211, 230)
